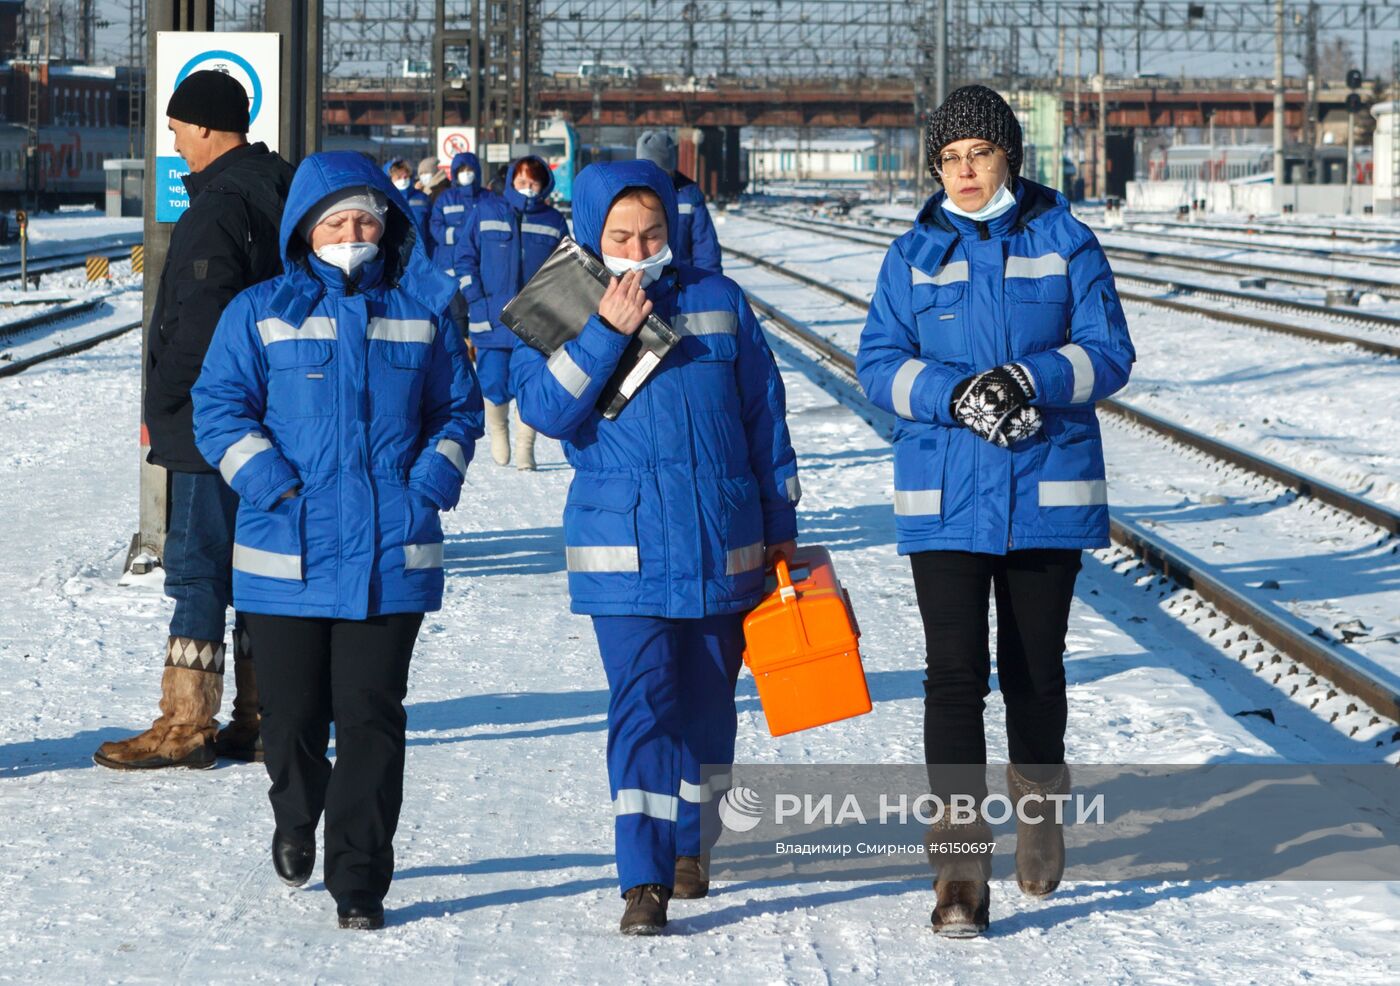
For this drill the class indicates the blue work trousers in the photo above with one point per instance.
(671, 728)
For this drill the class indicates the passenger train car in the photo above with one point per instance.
(69, 168)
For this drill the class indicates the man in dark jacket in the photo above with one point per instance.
(224, 242)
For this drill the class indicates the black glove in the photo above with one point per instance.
(995, 405)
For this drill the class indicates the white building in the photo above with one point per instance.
(857, 159)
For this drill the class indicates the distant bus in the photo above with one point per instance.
(607, 70)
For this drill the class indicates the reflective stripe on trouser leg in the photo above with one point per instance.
(712, 652)
(493, 372)
(641, 659)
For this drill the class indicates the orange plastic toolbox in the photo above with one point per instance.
(801, 644)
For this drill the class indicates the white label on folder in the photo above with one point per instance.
(639, 373)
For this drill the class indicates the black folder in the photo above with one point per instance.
(556, 303)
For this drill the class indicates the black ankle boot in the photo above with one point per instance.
(361, 917)
(293, 862)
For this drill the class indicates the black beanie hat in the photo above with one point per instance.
(974, 111)
(210, 99)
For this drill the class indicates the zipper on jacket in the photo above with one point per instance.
(983, 232)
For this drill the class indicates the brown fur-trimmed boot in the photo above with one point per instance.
(190, 691)
(960, 855)
(241, 738)
(1040, 845)
(692, 877)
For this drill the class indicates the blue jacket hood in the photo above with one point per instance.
(405, 260)
(466, 159)
(518, 201)
(389, 164)
(599, 185)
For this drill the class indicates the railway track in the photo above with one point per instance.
(1177, 286)
(52, 263)
(1290, 637)
(1279, 228)
(54, 319)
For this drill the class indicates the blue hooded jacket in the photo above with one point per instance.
(697, 242)
(956, 297)
(356, 389)
(503, 243)
(673, 503)
(452, 210)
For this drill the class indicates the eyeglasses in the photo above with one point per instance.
(981, 158)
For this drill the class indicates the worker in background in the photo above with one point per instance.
(504, 242)
(696, 242)
(452, 209)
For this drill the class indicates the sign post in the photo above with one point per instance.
(452, 141)
(22, 221)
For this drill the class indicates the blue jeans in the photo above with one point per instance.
(199, 554)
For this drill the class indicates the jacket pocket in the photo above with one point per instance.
(919, 472)
(940, 317)
(1038, 312)
(422, 542)
(1073, 473)
(271, 544)
(300, 379)
(396, 383)
(600, 533)
(737, 545)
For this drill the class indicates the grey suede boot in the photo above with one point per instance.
(1040, 845)
(961, 857)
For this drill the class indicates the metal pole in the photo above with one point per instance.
(1078, 135)
(1310, 104)
(1351, 157)
(300, 24)
(1101, 172)
(1279, 176)
(940, 53)
(162, 15)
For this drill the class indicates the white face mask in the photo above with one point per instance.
(425, 179)
(650, 267)
(466, 177)
(999, 203)
(348, 256)
(403, 184)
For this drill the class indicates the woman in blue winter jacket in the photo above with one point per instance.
(452, 209)
(676, 508)
(504, 241)
(338, 402)
(994, 328)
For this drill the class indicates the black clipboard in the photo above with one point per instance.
(557, 302)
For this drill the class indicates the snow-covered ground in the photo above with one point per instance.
(504, 852)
